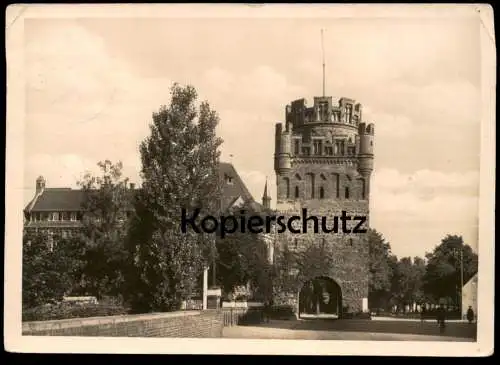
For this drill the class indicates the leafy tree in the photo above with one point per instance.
(243, 258)
(419, 269)
(409, 281)
(107, 200)
(50, 268)
(180, 161)
(381, 270)
(442, 278)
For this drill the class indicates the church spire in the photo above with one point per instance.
(266, 199)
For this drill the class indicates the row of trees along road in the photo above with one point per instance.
(131, 245)
(406, 281)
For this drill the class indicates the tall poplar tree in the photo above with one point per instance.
(180, 160)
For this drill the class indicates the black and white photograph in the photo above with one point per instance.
(264, 174)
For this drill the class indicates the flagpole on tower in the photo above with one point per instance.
(323, 55)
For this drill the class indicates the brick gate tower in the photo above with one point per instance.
(323, 162)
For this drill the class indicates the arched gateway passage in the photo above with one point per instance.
(320, 297)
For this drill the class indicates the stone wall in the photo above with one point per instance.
(349, 252)
(201, 324)
(333, 175)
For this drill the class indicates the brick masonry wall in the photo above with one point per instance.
(206, 324)
(299, 176)
(350, 251)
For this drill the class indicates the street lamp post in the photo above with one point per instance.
(461, 278)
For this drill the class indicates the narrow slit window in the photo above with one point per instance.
(287, 183)
(297, 147)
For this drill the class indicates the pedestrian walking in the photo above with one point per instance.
(470, 314)
(267, 309)
(422, 314)
(441, 318)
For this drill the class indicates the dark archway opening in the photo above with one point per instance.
(320, 297)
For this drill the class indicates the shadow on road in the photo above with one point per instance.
(454, 329)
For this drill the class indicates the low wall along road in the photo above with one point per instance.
(201, 324)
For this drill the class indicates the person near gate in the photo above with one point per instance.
(470, 314)
(441, 318)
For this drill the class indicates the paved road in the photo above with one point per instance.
(359, 330)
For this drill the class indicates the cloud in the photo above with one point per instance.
(93, 105)
(416, 210)
(389, 126)
(70, 73)
(262, 86)
(451, 103)
(393, 180)
(59, 170)
(255, 181)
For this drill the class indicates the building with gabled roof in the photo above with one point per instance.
(60, 209)
(469, 296)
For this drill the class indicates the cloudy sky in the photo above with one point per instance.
(92, 85)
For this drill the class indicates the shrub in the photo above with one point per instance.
(252, 316)
(241, 298)
(70, 310)
(282, 312)
(362, 315)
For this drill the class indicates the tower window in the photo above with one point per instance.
(296, 243)
(323, 110)
(296, 192)
(306, 151)
(347, 192)
(361, 184)
(336, 178)
(287, 183)
(348, 113)
(310, 183)
(317, 146)
(321, 193)
(297, 147)
(329, 151)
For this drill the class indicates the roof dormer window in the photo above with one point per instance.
(228, 179)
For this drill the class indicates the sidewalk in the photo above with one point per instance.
(264, 332)
(380, 318)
